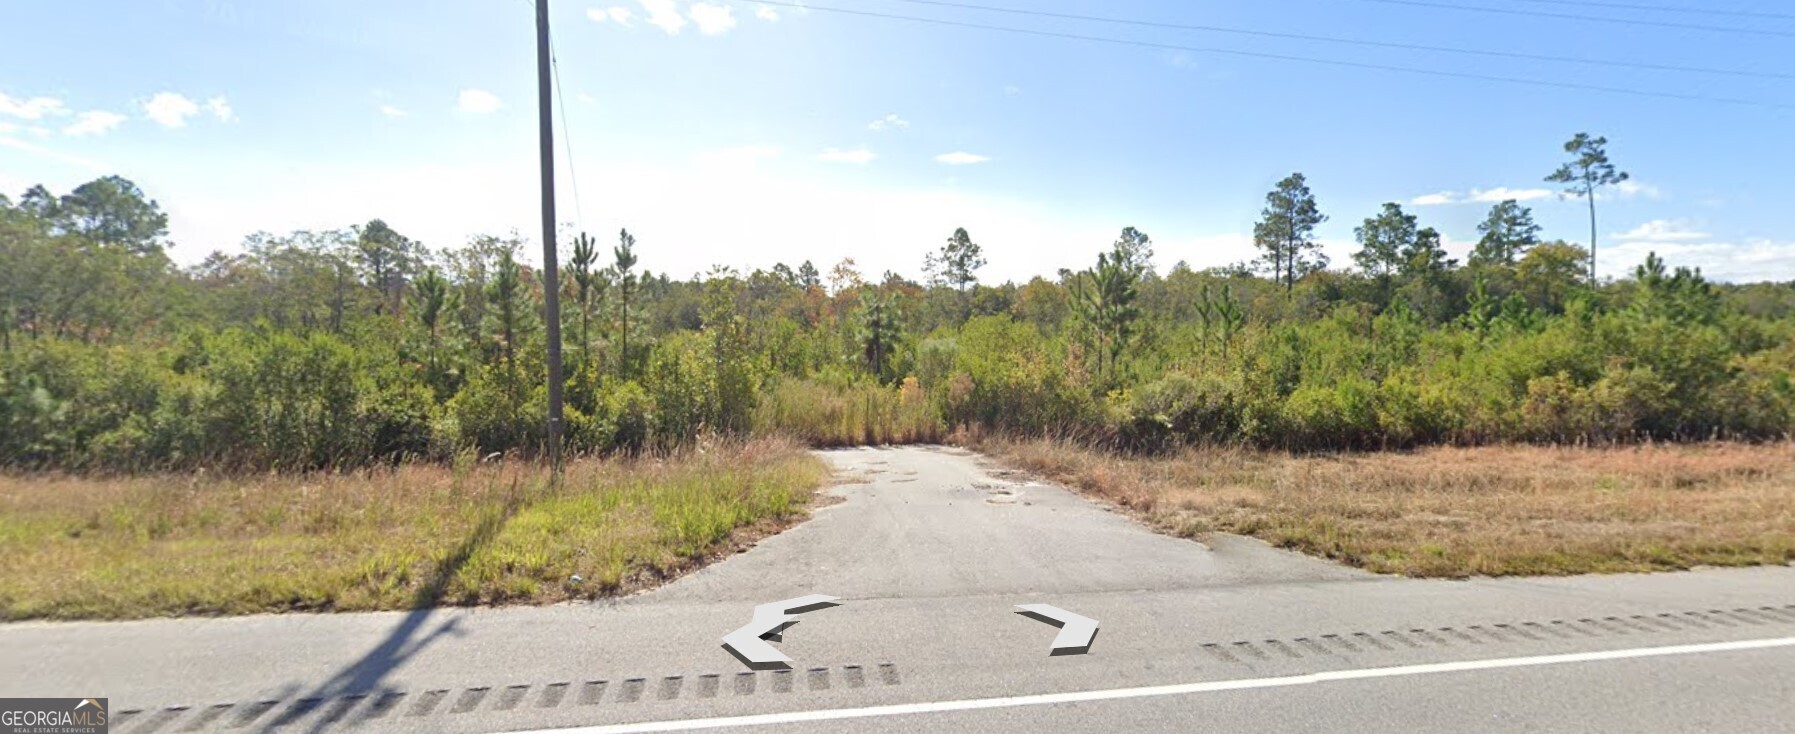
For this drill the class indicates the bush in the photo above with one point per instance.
(492, 412)
(627, 417)
(1181, 409)
(1338, 417)
(1006, 378)
(1757, 401)
(1619, 406)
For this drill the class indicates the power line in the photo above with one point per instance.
(1590, 18)
(566, 133)
(1285, 57)
(1667, 9)
(1355, 42)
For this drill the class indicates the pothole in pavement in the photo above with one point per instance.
(1004, 497)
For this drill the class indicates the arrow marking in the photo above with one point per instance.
(748, 642)
(1076, 631)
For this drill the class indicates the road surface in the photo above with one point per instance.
(931, 550)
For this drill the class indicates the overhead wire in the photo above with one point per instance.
(566, 130)
(554, 59)
(1283, 57)
(1352, 41)
(1589, 18)
(1667, 9)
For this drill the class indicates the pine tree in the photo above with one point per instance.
(1286, 230)
(1582, 175)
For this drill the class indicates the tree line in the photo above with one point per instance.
(341, 348)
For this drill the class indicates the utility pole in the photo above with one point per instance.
(551, 273)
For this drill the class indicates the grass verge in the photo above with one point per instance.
(1458, 512)
(420, 535)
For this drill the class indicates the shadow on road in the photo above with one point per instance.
(364, 678)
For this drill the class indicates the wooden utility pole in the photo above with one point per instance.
(551, 273)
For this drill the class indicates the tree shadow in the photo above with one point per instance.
(364, 678)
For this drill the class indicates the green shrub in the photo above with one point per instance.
(626, 417)
(1181, 409)
(491, 413)
(1006, 377)
(1331, 417)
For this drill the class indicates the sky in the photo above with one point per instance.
(746, 133)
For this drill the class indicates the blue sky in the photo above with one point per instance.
(744, 133)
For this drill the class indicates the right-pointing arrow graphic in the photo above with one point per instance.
(1076, 631)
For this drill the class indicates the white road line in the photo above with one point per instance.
(906, 709)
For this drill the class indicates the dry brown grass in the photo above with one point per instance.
(422, 535)
(1459, 512)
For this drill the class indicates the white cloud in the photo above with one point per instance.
(891, 121)
(1479, 196)
(1749, 261)
(35, 108)
(766, 13)
(587, 98)
(1628, 189)
(615, 14)
(221, 109)
(1454, 247)
(858, 156)
(1661, 230)
(1503, 193)
(478, 101)
(93, 122)
(663, 14)
(391, 111)
(170, 109)
(960, 158)
(1631, 187)
(712, 19)
(1012, 90)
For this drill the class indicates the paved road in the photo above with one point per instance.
(930, 550)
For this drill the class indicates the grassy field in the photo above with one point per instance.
(81, 547)
(1457, 512)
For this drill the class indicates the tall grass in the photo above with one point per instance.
(1455, 512)
(418, 535)
(848, 414)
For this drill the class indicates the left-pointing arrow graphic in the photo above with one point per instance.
(747, 641)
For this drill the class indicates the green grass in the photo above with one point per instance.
(421, 535)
